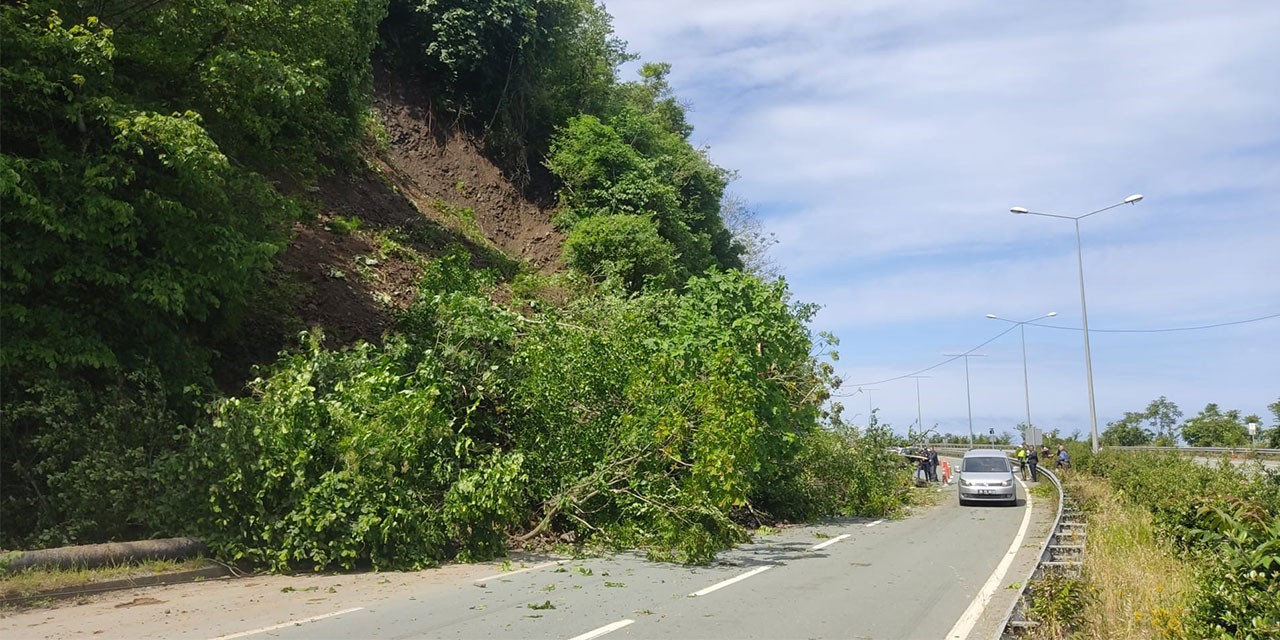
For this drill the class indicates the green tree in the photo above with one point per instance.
(1163, 416)
(637, 160)
(627, 247)
(1272, 437)
(514, 69)
(1127, 431)
(1213, 427)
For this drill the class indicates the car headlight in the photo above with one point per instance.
(1006, 483)
(965, 483)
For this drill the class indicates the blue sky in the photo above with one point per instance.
(884, 143)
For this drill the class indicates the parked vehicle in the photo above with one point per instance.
(987, 476)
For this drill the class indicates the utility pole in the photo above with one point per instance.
(967, 395)
(871, 414)
(919, 420)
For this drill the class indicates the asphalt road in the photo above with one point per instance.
(917, 577)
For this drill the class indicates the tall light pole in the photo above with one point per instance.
(968, 398)
(1084, 312)
(871, 414)
(1022, 327)
(919, 420)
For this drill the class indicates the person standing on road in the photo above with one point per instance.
(933, 464)
(1022, 460)
(1064, 458)
(1033, 459)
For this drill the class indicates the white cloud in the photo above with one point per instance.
(885, 142)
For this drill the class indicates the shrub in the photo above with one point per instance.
(643, 420)
(625, 247)
(78, 453)
(1224, 515)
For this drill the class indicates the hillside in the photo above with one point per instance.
(338, 283)
(423, 186)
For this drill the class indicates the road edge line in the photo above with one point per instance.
(964, 626)
(512, 573)
(824, 545)
(608, 628)
(282, 625)
(720, 585)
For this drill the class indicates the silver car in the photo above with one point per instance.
(987, 476)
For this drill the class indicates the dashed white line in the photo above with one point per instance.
(829, 542)
(287, 624)
(970, 617)
(872, 524)
(720, 585)
(512, 573)
(608, 628)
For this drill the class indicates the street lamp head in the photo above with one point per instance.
(992, 316)
(1051, 314)
(1024, 209)
(1137, 197)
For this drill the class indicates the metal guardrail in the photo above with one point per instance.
(1007, 622)
(1235, 451)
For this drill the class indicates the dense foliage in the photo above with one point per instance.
(647, 420)
(1214, 427)
(668, 398)
(136, 220)
(513, 69)
(637, 160)
(1228, 517)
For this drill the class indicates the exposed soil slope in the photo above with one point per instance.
(428, 188)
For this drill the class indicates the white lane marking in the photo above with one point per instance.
(512, 573)
(970, 616)
(287, 624)
(829, 542)
(872, 524)
(608, 628)
(720, 585)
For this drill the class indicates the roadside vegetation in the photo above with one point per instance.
(32, 582)
(1179, 549)
(652, 394)
(1138, 585)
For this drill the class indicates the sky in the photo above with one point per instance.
(885, 142)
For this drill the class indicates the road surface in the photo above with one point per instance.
(917, 577)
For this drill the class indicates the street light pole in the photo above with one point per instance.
(967, 395)
(1084, 312)
(1022, 328)
(919, 419)
(870, 412)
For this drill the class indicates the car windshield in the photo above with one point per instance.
(986, 465)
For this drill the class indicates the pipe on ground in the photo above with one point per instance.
(91, 556)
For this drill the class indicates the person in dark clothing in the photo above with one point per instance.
(933, 464)
(1064, 458)
(1033, 459)
(922, 468)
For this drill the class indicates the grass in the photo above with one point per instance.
(33, 581)
(1139, 587)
